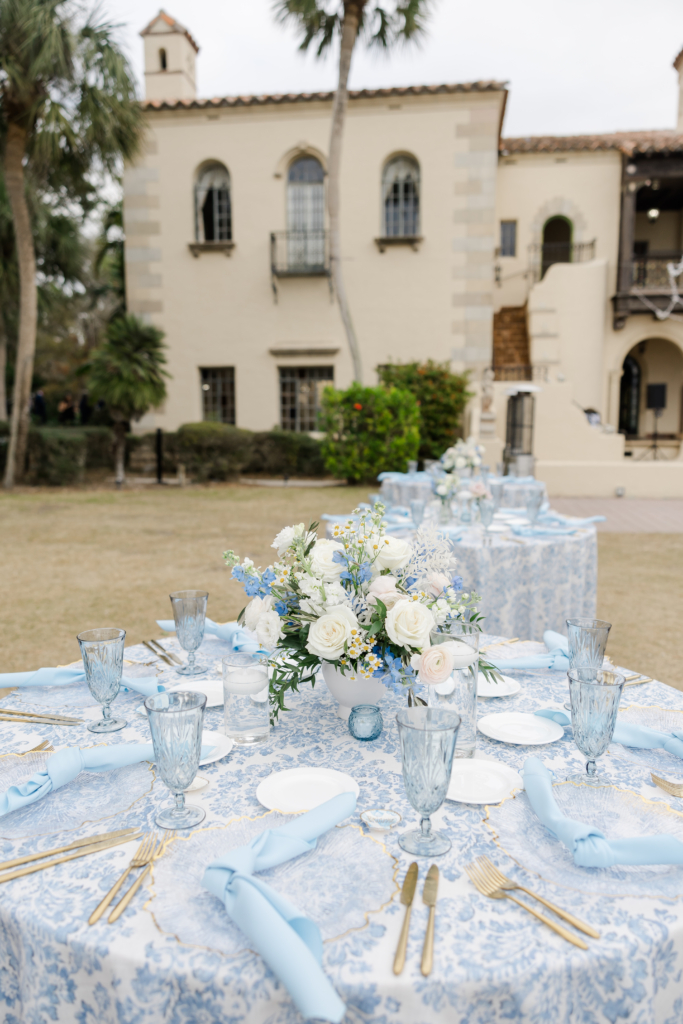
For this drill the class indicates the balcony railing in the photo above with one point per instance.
(651, 273)
(543, 255)
(520, 371)
(299, 254)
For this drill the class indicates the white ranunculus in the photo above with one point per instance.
(393, 553)
(328, 635)
(285, 537)
(409, 624)
(255, 609)
(323, 564)
(335, 595)
(269, 630)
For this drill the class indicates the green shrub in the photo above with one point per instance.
(213, 451)
(369, 431)
(99, 447)
(286, 453)
(56, 456)
(441, 396)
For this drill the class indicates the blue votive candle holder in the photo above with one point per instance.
(365, 722)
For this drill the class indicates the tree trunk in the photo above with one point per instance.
(3, 371)
(15, 149)
(341, 98)
(120, 451)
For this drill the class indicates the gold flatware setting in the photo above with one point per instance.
(492, 889)
(499, 643)
(141, 859)
(156, 646)
(156, 851)
(672, 788)
(407, 894)
(429, 894)
(80, 848)
(12, 715)
(635, 679)
(163, 657)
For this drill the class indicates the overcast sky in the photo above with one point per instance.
(572, 67)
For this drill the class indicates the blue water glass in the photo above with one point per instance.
(427, 737)
(417, 511)
(587, 639)
(594, 707)
(535, 496)
(365, 722)
(176, 720)
(102, 653)
(189, 612)
(496, 488)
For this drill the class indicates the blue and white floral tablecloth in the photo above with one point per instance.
(493, 963)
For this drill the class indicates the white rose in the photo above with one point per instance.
(394, 553)
(409, 624)
(286, 537)
(255, 609)
(322, 560)
(328, 635)
(269, 630)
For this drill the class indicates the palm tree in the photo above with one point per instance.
(67, 109)
(382, 26)
(127, 373)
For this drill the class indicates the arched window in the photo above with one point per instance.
(305, 214)
(162, 59)
(401, 198)
(557, 242)
(213, 214)
(629, 397)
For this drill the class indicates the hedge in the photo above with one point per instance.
(213, 451)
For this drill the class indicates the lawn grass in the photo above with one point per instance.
(74, 559)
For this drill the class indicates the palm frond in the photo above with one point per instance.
(127, 370)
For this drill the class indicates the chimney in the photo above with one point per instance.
(678, 65)
(170, 57)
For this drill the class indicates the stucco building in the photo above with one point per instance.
(539, 265)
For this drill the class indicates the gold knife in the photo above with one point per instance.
(95, 848)
(429, 898)
(407, 893)
(87, 841)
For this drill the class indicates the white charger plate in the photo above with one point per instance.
(518, 727)
(222, 745)
(211, 688)
(505, 688)
(302, 789)
(480, 780)
(498, 528)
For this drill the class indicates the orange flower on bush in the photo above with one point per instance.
(358, 406)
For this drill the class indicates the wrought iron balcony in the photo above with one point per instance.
(645, 285)
(543, 255)
(299, 254)
(651, 272)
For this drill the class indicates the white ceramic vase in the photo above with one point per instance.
(349, 693)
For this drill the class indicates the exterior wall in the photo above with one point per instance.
(219, 310)
(178, 80)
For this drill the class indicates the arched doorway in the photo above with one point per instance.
(629, 397)
(557, 242)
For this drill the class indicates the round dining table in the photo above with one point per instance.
(174, 957)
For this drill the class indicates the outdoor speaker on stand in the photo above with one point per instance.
(655, 400)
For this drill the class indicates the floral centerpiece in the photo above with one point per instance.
(363, 602)
(445, 487)
(463, 455)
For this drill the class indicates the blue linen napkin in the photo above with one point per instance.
(64, 765)
(588, 845)
(240, 639)
(628, 733)
(557, 517)
(556, 658)
(73, 674)
(543, 531)
(289, 943)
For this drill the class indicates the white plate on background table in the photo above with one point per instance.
(517, 727)
(497, 528)
(482, 780)
(505, 687)
(302, 789)
(222, 745)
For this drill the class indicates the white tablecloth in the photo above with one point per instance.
(493, 963)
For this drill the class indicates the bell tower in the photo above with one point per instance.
(170, 58)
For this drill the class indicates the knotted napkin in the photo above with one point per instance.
(556, 658)
(289, 943)
(557, 517)
(588, 845)
(73, 674)
(543, 531)
(628, 733)
(240, 639)
(64, 765)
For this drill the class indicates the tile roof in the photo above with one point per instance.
(628, 143)
(174, 25)
(316, 97)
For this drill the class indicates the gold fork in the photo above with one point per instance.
(496, 877)
(142, 857)
(487, 888)
(125, 900)
(672, 788)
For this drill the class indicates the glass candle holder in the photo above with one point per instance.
(245, 697)
(365, 722)
(459, 692)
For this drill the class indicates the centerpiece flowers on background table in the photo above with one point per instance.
(360, 604)
(463, 455)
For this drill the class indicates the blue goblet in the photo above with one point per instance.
(427, 737)
(175, 721)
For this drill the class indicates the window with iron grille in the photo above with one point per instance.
(218, 394)
(213, 211)
(301, 389)
(508, 238)
(401, 198)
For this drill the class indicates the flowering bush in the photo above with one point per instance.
(463, 455)
(362, 601)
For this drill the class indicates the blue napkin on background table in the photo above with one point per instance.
(289, 943)
(628, 733)
(556, 658)
(239, 638)
(588, 845)
(73, 674)
(543, 531)
(557, 517)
